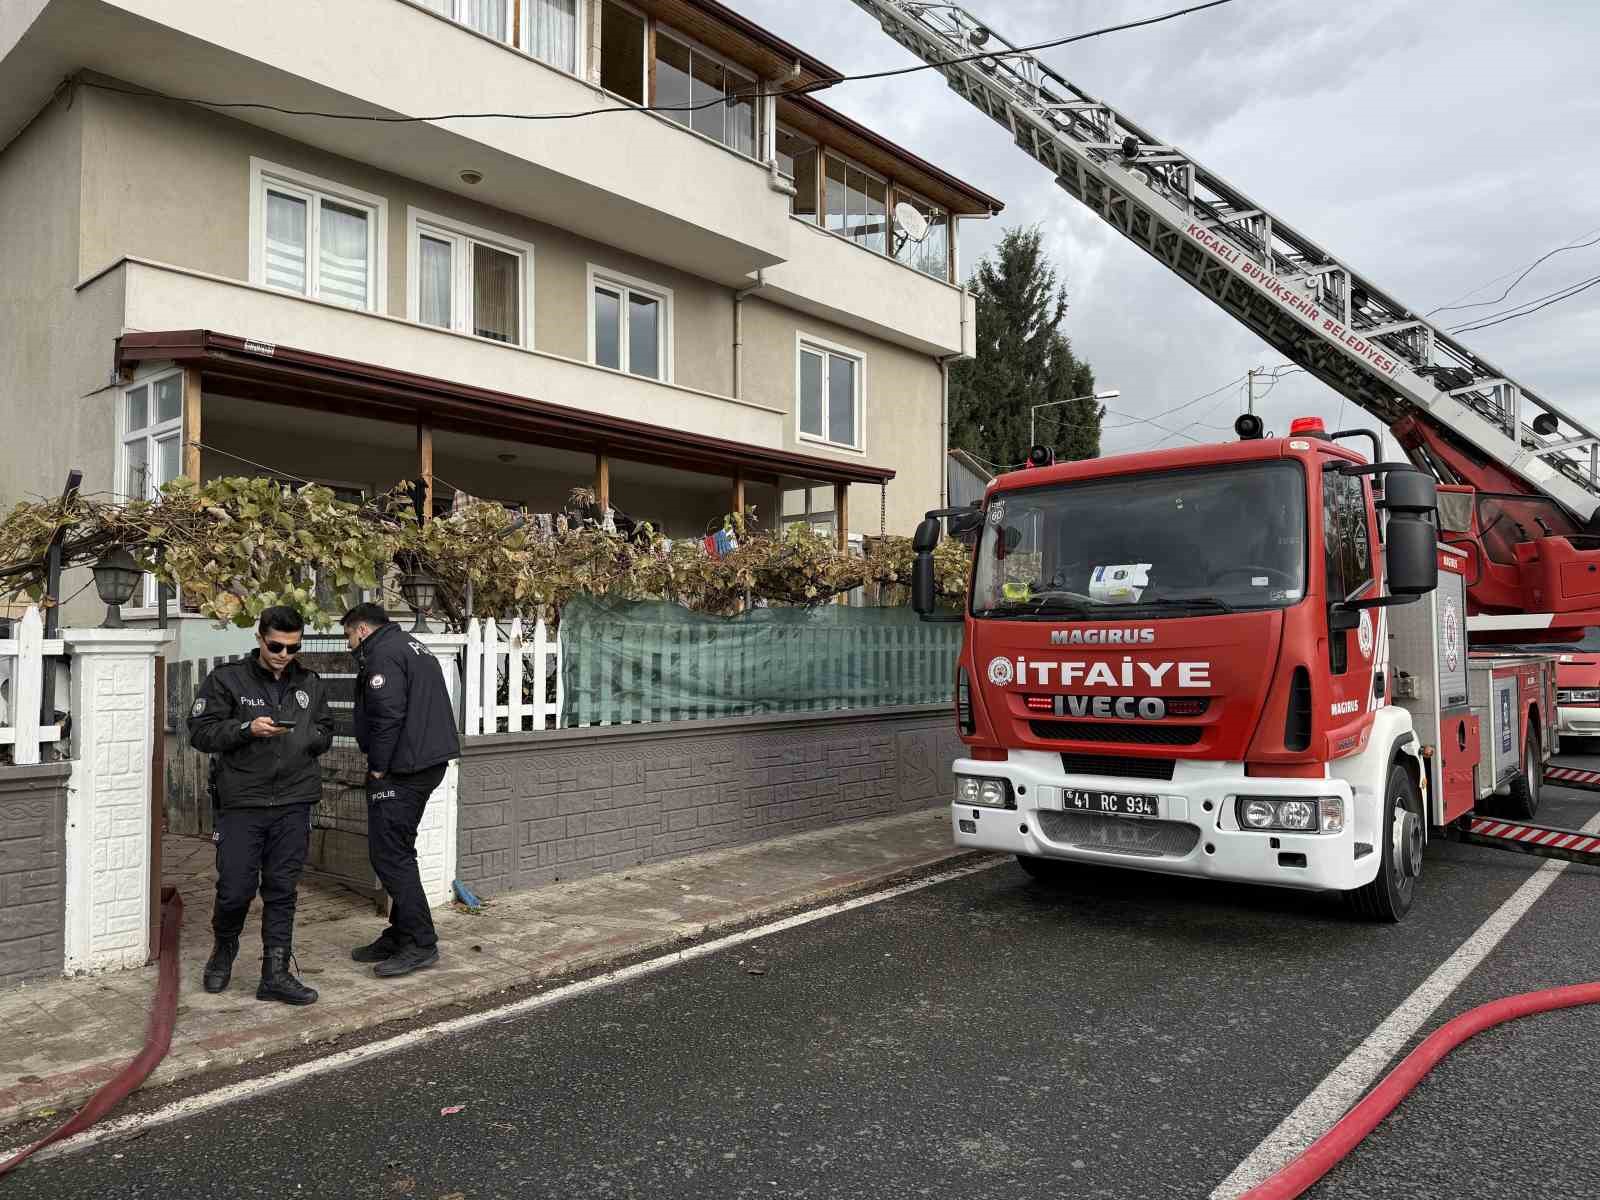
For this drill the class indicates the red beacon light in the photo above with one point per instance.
(1308, 427)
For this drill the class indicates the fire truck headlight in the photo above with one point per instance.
(1258, 814)
(1332, 814)
(986, 793)
(1297, 814)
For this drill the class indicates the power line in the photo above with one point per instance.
(1528, 270)
(654, 108)
(1539, 302)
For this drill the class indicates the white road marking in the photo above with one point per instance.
(122, 1127)
(1349, 1081)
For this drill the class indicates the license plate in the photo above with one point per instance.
(1121, 804)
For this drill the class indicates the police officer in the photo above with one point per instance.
(406, 724)
(267, 720)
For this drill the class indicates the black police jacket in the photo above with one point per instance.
(263, 772)
(404, 719)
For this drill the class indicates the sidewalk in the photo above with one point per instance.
(60, 1039)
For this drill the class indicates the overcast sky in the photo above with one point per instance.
(1436, 146)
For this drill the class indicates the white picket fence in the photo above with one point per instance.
(516, 655)
(22, 667)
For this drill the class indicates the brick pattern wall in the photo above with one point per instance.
(540, 807)
(33, 878)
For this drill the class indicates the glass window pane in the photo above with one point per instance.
(804, 202)
(673, 89)
(644, 336)
(496, 294)
(811, 393)
(855, 202)
(874, 225)
(342, 255)
(435, 274)
(169, 457)
(710, 86)
(622, 52)
(841, 400)
(837, 176)
(607, 328)
(169, 398)
(554, 33)
(136, 484)
(138, 408)
(486, 16)
(286, 242)
(742, 116)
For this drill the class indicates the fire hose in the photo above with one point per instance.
(157, 1041)
(1324, 1153)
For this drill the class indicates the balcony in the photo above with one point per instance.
(632, 180)
(157, 297)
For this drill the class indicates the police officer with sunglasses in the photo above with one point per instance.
(267, 720)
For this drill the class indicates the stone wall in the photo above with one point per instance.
(33, 872)
(539, 807)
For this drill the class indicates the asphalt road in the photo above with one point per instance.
(988, 1037)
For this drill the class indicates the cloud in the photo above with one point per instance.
(1431, 153)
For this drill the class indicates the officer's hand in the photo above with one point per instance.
(263, 727)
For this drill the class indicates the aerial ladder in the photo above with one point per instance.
(1520, 478)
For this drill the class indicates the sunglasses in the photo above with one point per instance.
(284, 647)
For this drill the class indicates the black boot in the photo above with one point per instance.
(278, 983)
(219, 967)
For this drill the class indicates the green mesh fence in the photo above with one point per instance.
(630, 663)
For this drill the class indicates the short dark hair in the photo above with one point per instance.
(365, 614)
(280, 618)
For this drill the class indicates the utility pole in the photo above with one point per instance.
(1252, 385)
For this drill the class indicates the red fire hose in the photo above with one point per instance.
(157, 1041)
(1361, 1120)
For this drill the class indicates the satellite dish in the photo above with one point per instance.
(909, 221)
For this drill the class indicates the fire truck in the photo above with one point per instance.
(1277, 660)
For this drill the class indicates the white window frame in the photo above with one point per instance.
(803, 342)
(150, 435)
(461, 236)
(601, 276)
(763, 103)
(314, 189)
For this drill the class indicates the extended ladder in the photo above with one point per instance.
(1309, 306)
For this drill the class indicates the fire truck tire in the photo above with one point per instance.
(1528, 785)
(1043, 870)
(1388, 897)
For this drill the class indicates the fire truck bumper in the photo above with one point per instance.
(1578, 722)
(1196, 831)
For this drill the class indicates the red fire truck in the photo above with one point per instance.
(1251, 661)
(1244, 661)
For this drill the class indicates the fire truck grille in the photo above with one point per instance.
(1124, 735)
(1116, 767)
(1120, 835)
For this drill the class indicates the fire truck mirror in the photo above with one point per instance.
(1411, 555)
(922, 584)
(927, 536)
(961, 524)
(1407, 490)
(1342, 618)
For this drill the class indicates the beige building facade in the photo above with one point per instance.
(746, 298)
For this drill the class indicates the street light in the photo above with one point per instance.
(1108, 395)
(419, 590)
(116, 576)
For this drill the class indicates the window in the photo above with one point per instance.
(622, 42)
(858, 204)
(797, 161)
(469, 280)
(692, 80)
(1345, 544)
(315, 238)
(152, 443)
(829, 390)
(630, 326)
(546, 29)
(931, 255)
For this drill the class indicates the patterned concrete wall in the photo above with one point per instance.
(540, 807)
(33, 871)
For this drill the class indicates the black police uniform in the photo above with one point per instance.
(406, 724)
(267, 788)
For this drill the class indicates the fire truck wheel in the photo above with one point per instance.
(1043, 870)
(1526, 787)
(1388, 897)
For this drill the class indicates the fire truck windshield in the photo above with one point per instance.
(1184, 543)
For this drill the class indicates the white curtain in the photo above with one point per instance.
(433, 282)
(342, 265)
(496, 298)
(554, 32)
(486, 16)
(286, 242)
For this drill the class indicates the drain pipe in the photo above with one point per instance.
(944, 413)
(738, 330)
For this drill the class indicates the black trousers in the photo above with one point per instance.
(394, 810)
(265, 848)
